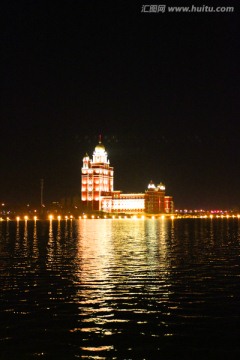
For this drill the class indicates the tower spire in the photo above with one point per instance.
(100, 139)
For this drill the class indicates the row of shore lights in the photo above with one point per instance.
(51, 217)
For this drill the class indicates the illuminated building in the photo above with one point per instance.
(97, 178)
(98, 194)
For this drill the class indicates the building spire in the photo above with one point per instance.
(100, 139)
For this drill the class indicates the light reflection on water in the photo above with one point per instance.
(121, 289)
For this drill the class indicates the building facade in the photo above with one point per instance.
(97, 178)
(98, 194)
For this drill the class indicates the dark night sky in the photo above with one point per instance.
(162, 89)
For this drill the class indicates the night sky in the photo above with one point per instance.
(161, 88)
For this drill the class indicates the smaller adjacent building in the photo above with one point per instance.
(156, 201)
(97, 190)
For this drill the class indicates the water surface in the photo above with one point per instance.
(120, 289)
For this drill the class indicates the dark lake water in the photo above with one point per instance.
(120, 289)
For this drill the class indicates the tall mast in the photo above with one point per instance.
(42, 183)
